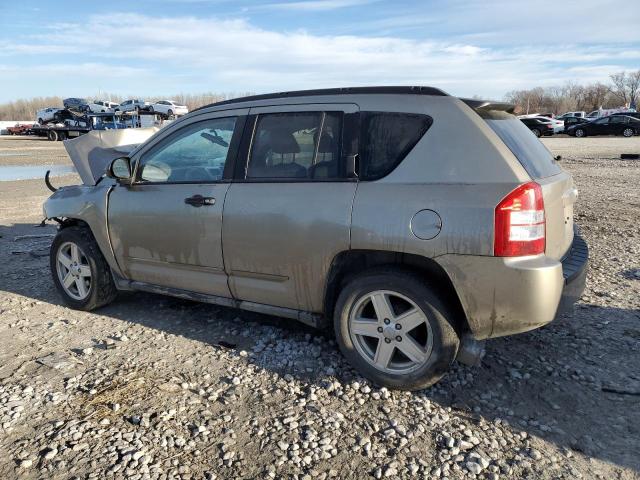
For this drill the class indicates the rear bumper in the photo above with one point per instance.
(505, 296)
(574, 272)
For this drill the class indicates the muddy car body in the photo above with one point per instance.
(419, 223)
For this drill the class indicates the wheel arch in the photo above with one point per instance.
(350, 263)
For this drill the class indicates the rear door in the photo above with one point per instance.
(166, 228)
(288, 212)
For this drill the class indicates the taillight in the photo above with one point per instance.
(519, 223)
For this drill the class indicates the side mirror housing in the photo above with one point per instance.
(120, 170)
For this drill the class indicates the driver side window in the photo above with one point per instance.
(195, 153)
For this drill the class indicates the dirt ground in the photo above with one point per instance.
(155, 387)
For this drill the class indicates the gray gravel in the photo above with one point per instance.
(157, 388)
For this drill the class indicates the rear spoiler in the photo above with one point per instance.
(487, 105)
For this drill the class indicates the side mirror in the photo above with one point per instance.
(120, 169)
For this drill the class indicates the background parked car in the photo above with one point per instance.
(538, 127)
(558, 125)
(132, 105)
(46, 114)
(613, 125)
(102, 106)
(571, 121)
(579, 114)
(629, 114)
(77, 104)
(19, 129)
(169, 107)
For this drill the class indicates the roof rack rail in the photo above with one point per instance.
(393, 90)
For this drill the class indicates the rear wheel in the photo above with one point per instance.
(80, 272)
(40, 121)
(537, 132)
(580, 133)
(628, 132)
(151, 108)
(395, 330)
(62, 136)
(170, 112)
(52, 135)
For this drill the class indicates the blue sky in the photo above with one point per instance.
(160, 47)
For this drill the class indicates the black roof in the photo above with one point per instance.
(334, 91)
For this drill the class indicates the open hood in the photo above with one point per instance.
(93, 152)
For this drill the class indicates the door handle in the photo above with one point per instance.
(200, 201)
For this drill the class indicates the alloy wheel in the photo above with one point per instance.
(390, 332)
(74, 271)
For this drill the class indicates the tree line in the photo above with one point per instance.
(25, 109)
(622, 89)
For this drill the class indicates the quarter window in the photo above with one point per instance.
(195, 153)
(386, 139)
(300, 145)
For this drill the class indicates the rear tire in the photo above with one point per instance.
(170, 112)
(99, 288)
(628, 132)
(420, 325)
(61, 136)
(537, 132)
(151, 108)
(52, 135)
(40, 121)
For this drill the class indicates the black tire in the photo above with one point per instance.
(40, 121)
(170, 112)
(537, 132)
(103, 289)
(61, 136)
(580, 133)
(445, 338)
(628, 132)
(52, 135)
(151, 108)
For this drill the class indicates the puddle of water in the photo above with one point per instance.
(28, 172)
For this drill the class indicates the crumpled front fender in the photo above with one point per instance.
(89, 205)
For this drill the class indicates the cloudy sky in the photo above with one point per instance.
(158, 47)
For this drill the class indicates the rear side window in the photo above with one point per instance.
(386, 139)
(536, 159)
(297, 145)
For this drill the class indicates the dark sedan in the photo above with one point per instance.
(538, 127)
(612, 125)
(572, 122)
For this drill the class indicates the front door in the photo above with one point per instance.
(289, 213)
(166, 228)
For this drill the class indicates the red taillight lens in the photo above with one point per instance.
(520, 223)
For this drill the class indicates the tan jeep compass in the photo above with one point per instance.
(418, 222)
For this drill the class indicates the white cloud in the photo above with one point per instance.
(318, 5)
(156, 55)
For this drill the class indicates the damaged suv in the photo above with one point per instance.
(418, 223)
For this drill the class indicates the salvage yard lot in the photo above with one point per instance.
(155, 387)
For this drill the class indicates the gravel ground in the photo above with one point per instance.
(155, 387)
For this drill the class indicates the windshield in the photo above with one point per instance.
(536, 159)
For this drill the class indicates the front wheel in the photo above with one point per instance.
(628, 132)
(537, 132)
(80, 272)
(151, 109)
(394, 329)
(580, 133)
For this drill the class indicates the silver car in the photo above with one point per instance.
(417, 223)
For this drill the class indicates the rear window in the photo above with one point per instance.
(536, 159)
(386, 138)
